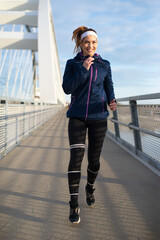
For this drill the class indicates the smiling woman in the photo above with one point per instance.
(88, 78)
(80, 35)
(89, 45)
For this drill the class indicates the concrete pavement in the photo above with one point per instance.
(34, 192)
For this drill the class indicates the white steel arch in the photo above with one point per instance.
(34, 13)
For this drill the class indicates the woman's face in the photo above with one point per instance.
(89, 45)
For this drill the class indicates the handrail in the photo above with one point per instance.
(4, 100)
(136, 128)
(140, 97)
(17, 121)
(152, 119)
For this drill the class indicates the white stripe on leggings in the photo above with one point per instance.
(74, 185)
(92, 171)
(90, 183)
(74, 171)
(78, 145)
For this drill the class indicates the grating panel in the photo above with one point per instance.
(2, 129)
(148, 119)
(19, 120)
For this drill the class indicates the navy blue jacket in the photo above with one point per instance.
(91, 90)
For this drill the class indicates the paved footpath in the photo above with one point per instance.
(34, 192)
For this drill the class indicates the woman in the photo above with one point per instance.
(88, 79)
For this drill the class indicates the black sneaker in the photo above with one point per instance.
(74, 215)
(90, 196)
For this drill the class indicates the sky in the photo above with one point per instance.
(128, 37)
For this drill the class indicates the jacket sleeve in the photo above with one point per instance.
(73, 78)
(108, 85)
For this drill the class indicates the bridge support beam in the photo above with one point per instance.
(35, 13)
(49, 71)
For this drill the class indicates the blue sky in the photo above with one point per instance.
(129, 37)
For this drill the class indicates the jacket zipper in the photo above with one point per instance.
(89, 92)
(95, 75)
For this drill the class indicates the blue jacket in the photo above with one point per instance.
(91, 90)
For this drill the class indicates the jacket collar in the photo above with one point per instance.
(80, 56)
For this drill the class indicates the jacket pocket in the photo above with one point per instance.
(72, 101)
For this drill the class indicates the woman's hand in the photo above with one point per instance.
(88, 62)
(113, 105)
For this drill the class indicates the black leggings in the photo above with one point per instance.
(77, 135)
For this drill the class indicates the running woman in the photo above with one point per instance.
(88, 79)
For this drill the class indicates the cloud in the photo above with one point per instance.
(128, 33)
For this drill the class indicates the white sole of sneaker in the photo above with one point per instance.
(78, 219)
(90, 206)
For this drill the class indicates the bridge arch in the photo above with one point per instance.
(36, 33)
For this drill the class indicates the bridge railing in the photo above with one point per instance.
(19, 119)
(136, 126)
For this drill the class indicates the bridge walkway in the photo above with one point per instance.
(34, 192)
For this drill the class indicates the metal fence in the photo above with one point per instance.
(137, 126)
(18, 120)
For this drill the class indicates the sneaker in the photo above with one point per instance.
(90, 197)
(74, 215)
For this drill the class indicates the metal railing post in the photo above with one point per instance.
(135, 122)
(116, 125)
(24, 119)
(6, 125)
(34, 125)
(16, 130)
